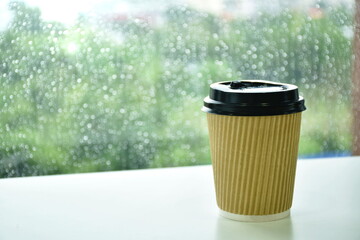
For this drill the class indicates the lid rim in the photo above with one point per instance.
(208, 100)
(268, 112)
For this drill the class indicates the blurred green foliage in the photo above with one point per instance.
(127, 94)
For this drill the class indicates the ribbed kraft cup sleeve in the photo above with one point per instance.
(254, 161)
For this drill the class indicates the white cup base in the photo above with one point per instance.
(254, 218)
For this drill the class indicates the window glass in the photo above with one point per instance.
(111, 85)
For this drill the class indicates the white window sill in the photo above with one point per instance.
(174, 203)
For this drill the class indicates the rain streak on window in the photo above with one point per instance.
(113, 85)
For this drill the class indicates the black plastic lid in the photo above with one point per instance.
(253, 98)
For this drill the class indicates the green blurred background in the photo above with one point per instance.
(120, 94)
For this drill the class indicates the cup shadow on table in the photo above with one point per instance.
(230, 229)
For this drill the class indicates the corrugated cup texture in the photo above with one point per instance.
(254, 161)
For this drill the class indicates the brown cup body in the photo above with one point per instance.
(254, 161)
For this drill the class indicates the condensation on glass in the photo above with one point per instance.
(112, 85)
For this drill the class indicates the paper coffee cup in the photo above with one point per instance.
(254, 129)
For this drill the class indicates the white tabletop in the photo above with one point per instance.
(174, 203)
